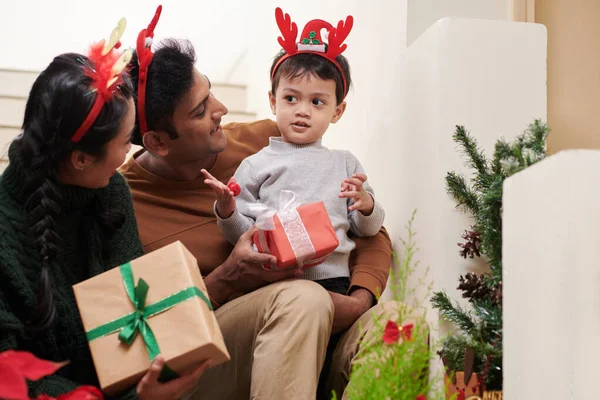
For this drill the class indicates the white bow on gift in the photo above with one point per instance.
(293, 226)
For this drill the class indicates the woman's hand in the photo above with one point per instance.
(149, 388)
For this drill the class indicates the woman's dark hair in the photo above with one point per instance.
(170, 77)
(304, 64)
(58, 103)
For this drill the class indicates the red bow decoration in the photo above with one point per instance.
(144, 53)
(106, 67)
(16, 366)
(392, 332)
(311, 40)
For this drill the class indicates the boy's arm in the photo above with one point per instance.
(361, 224)
(367, 225)
(234, 226)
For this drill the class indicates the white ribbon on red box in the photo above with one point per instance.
(293, 227)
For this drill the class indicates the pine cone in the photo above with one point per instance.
(497, 295)
(473, 287)
(471, 247)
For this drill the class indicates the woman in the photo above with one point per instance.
(66, 215)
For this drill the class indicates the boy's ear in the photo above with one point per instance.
(155, 142)
(338, 112)
(272, 101)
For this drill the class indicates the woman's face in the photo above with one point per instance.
(95, 172)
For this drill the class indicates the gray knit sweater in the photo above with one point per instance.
(314, 173)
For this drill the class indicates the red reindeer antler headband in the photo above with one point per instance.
(311, 42)
(144, 54)
(105, 69)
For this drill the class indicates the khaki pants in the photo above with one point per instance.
(277, 337)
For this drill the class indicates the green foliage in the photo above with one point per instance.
(398, 371)
(480, 327)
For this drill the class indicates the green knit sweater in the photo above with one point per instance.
(85, 251)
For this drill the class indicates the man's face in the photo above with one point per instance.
(197, 121)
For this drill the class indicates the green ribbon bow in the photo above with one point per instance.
(137, 321)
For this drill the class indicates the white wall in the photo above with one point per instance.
(551, 278)
(237, 32)
(487, 75)
(424, 13)
(34, 31)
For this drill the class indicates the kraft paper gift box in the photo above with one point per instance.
(176, 308)
(296, 233)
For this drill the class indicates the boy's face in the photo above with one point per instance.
(304, 107)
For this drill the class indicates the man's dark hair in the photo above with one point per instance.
(170, 77)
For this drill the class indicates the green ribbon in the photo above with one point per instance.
(137, 321)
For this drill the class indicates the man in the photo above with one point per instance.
(276, 329)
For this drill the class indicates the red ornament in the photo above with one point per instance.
(82, 393)
(234, 187)
(16, 366)
(421, 397)
(407, 332)
(392, 332)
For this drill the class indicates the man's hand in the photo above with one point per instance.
(350, 308)
(353, 188)
(150, 389)
(243, 272)
(225, 197)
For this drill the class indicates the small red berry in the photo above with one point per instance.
(235, 188)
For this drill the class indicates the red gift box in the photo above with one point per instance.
(302, 234)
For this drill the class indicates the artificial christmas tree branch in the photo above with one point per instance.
(453, 312)
(475, 157)
(457, 187)
(480, 328)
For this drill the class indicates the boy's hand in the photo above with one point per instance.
(353, 188)
(225, 196)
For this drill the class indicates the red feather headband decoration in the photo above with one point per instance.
(311, 42)
(105, 68)
(144, 54)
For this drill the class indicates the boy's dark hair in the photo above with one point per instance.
(300, 65)
(170, 77)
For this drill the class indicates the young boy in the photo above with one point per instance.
(309, 81)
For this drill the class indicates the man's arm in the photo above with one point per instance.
(370, 264)
(243, 272)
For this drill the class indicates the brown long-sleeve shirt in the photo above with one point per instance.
(168, 211)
